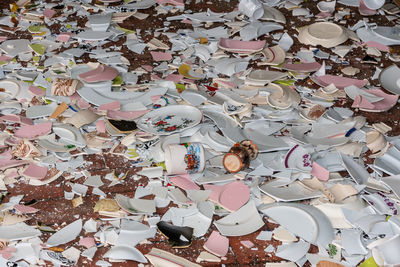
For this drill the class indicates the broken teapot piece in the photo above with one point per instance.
(239, 156)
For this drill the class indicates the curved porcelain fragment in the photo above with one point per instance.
(161, 258)
(271, 13)
(65, 235)
(244, 221)
(389, 79)
(294, 219)
(124, 252)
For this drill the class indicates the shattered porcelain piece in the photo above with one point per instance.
(262, 77)
(244, 221)
(388, 79)
(241, 47)
(217, 244)
(170, 119)
(273, 14)
(282, 97)
(251, 8)
(161, 258)
(136, 206)
(326, 34)
(65, 235)
(302, 224)
(273, 55)
(122, 252)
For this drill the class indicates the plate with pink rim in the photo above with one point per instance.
(170, 119)
(241, 47)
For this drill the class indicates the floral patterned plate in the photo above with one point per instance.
(170, 119)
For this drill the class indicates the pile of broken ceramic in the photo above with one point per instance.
(55, 109)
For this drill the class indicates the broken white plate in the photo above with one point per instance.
(161, 258)
(11, 89)
(90, 35)
(124, 252)
(18, 231)
(136, 206)
(356, 171)
(293, 251)
(244, 221)
(273, 14)
(65, 235)
(69, 135)
(293, 192)
(294, 219)
(170, 119)
(262, 77)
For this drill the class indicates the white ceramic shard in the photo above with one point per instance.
(123, 252)
(244, 221)
(66, 234)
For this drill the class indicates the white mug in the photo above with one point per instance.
(184, 158)
(252, 8)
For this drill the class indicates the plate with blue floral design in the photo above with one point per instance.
(170, 119)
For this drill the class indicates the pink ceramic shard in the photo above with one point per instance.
(125, 115)
(161, 56)
(379, 46)
(101, 126)
(6, 161)
(217, 244)
(385, 104)
(110, 106)
(36, 91)
(35, 171)
(16, 118)
(174, 78)
(183, 181)
(4, 57)
(215, 191)
(25, 209)
(82, 104)
(87, 242)
(302, 67)
(99, 74)
(241, 46)
(64, 37)
(7, 252)
(33, 131)
(320, 172)
(247, 243)
(339, 81)
(49, 13)
(234, 195)
(3, 38)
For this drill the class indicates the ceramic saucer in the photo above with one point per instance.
(326, 34)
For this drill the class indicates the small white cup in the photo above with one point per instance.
(252, 8)
(374, 4)
(184, 158)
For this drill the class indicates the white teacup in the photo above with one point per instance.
(184, 158)
(252, 8)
